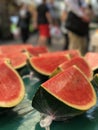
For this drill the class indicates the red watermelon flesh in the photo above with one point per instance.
(17, 59)
(11, 48)
(47, 64)
(11, 86)
(71, 53)
(81, 63)
(72, 88)
(35, 51)
(92, 59)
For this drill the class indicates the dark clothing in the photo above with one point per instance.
(24, 23)
(75, 23)
(42, 10)
(66, 42)
(25, 34)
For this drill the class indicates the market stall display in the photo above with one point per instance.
(69, 95)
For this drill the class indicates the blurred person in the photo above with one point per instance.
(78, 24)
(55, 30)
(52, 8)
(53, 11)
(42, 20)
(24, 22)
(63, 28)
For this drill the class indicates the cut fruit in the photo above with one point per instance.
(12, 88)
(35, 51)
(92, 59)
(18, 59)
(71, 53)
(12, 48)
(65, 95)
(47, 64)
(80, 62)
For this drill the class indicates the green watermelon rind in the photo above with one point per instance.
(84, 108)
(46, 103)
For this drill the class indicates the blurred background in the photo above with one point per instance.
(9, 17)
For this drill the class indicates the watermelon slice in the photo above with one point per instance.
(65, 95)
(35, 51)
(92, 59)
(80, 62)
(12, 48)
(12, 89)
(71, 53)
(17, 59)
(45, 65)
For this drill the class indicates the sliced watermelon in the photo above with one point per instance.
(92, 59)
(65, 95)
(12, 48)
(71, 53)
(12, 88)
(47, 64)
(80, 62)
(75, 91)
(35, 51)
(17, 59)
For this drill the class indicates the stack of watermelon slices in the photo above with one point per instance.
(66, 93)
(13, 57)
(19, 53)
(51, 63)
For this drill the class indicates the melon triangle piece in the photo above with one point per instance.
(65, 95)
(71, 53)
(12, 88)
(46, 64)
(37, 50)
(80, 62)
(14, 47)
(92, 59)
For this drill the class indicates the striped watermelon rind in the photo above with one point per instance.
(65, 95)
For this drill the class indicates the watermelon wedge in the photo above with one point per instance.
(65, 95)
(17, 59)
(71, 53)
(45, 65)
(36, 50)
(12, 88)
(92, 59)
(12, 48)
(80, 62)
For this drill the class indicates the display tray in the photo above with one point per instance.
(24, 117)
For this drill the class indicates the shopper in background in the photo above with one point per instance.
(24, 22)
(52, 9)
(42, 20)
(78, 24)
